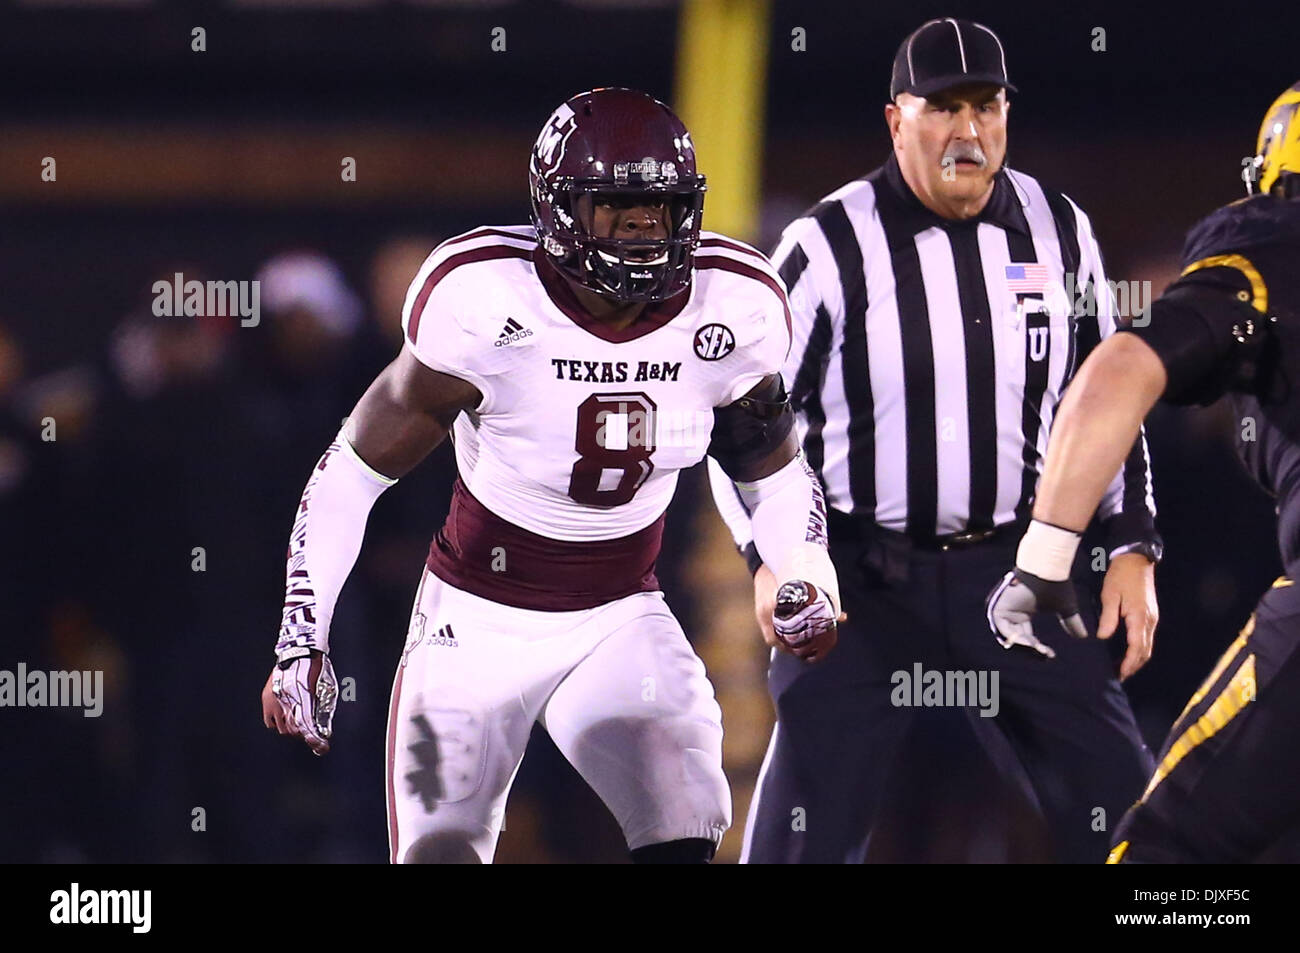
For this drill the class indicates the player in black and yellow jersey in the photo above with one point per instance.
(1227, 784)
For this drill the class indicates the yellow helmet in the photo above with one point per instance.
(1277, 152)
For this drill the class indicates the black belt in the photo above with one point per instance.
(889, 552)
(1007, 532)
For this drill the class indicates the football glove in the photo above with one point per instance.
(1020, 595)
(308, 692)
(802, 612)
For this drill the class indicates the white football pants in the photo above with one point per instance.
(618, 688)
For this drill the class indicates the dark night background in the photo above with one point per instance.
(172, 436)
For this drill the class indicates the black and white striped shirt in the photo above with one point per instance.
(929, 356)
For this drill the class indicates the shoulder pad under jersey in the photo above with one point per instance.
(1248, 223)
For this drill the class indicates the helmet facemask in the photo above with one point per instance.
(626, 269)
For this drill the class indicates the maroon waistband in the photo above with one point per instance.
(481, 553)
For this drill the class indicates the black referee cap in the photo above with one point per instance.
(948, 52)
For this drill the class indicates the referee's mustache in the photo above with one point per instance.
(964, 152)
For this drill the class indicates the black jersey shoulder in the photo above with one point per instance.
(1224, 324)
(1242, 225)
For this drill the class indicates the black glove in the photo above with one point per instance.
(1018, 596)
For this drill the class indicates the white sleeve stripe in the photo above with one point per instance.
(756, 260)
(417, 296)
(793, 270)
(1090, 253)
(481, 237)
(819, 281)
(715, 240)
(851, 192)
(478, 238)
(825, 272)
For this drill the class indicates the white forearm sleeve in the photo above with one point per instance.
(788, 519)
(730, 508)
(324, 544)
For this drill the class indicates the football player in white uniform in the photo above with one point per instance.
(579, 364)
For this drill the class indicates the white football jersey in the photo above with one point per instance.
(582, 430)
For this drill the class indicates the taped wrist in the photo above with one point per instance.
(324, 544)
(1047, 551)
(788, 516)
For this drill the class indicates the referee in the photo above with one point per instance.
(941, 304)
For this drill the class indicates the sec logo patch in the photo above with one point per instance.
(713, 342)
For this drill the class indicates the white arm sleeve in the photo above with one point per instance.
(324, 544)
(788, 519)
(726, 497)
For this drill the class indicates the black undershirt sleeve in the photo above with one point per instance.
(1194, 329)
(750, 429)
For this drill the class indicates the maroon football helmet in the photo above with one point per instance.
(623, 146)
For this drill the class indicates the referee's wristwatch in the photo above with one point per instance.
(1153, 550)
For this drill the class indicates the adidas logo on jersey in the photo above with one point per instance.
(444, 636)
(513, 331)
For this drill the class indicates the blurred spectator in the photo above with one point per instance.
(392, 269)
